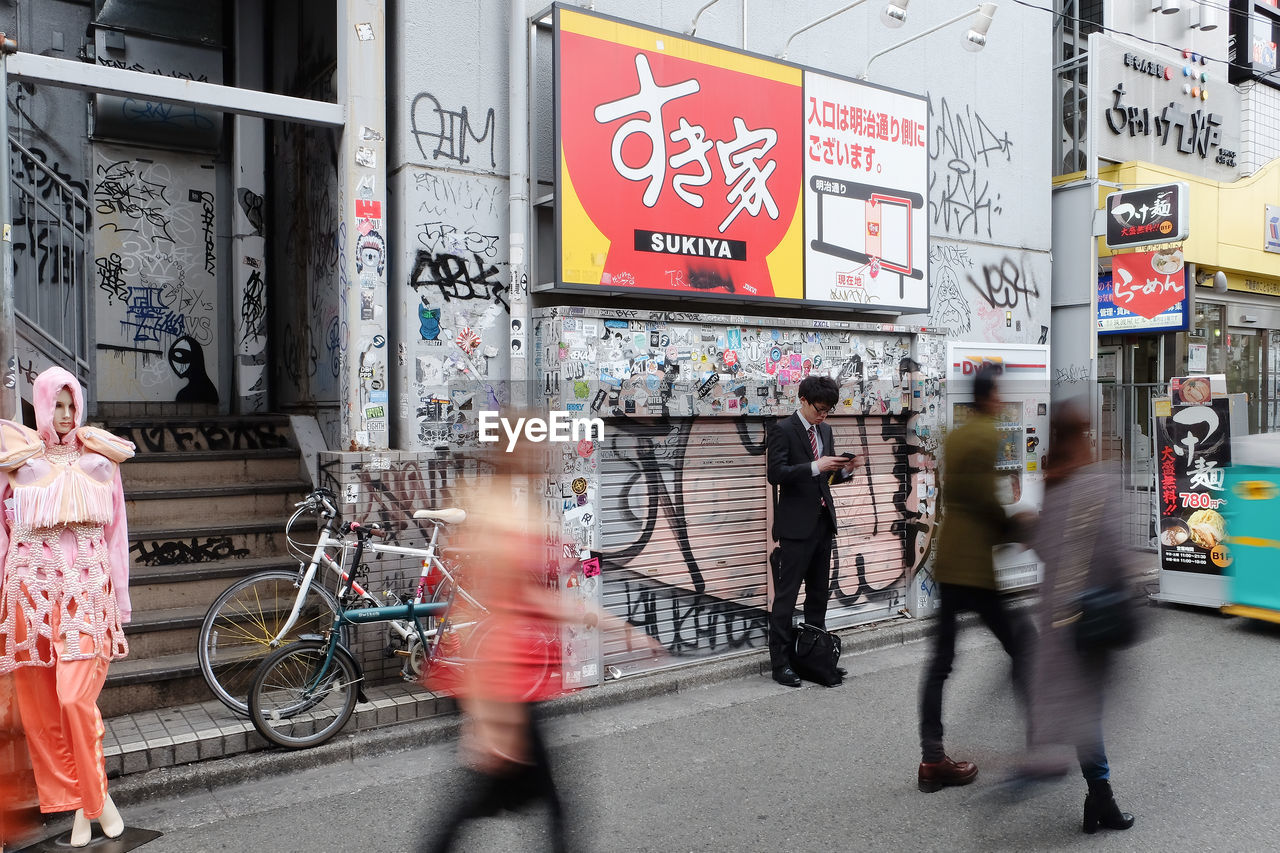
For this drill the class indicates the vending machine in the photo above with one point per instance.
(1023, 423)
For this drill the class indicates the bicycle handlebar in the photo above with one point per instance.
(323, 499)
(370, 530)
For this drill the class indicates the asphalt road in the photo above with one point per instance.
(749, 765)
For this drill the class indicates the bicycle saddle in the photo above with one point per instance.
(452, 515)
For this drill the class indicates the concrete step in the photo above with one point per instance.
(171, 630)
(170, 545)
(180, 434)
(156, 633)
(210, 467)
(201, 504)
(136, 684)
(160, 587)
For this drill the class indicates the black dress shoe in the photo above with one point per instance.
(841, 671)
(786, 676)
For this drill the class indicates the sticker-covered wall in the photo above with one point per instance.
(672, 500)
(453, 303)
(449, 272)
(157, 271)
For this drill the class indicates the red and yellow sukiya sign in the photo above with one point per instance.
(681, 164)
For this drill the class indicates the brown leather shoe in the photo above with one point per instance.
(936, 775)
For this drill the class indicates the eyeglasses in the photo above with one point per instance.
(821, 410)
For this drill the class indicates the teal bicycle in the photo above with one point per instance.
(305, 692)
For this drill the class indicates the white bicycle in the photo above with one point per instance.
(265, 611)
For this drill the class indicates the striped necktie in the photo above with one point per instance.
(813, 445)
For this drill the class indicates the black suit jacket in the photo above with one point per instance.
(799, 494)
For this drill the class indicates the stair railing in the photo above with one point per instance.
(51, 222)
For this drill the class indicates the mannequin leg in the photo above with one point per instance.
(64, 734)
(112, 823)
(51, 760)
(79, 683)
(81, 830)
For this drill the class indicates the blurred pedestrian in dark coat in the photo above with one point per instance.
(973, 522)
(1081, 541)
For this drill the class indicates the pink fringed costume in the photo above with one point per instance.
(64, 590)
(64, 537)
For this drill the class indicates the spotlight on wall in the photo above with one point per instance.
(1171, 7)
(894, 14)
(1219, 279)
(1203, 17)
(976, 39)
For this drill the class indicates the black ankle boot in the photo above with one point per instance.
(1100, 809)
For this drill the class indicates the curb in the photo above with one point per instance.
(185, 779)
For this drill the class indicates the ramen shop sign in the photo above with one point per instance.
(1146, 216)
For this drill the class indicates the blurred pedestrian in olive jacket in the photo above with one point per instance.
(1081, 541)
(973, 522)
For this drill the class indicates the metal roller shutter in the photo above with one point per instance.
(684, 535)
(871, 556)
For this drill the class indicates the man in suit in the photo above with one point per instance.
(802, 463)
(973, 522)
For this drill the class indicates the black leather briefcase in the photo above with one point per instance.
(816, 656)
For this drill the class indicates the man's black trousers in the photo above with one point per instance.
(799, 561)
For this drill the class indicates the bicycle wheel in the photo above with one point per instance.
(297, 700)
(536, 667)
(457, 622)
(238, 629)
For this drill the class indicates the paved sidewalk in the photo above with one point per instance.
(175, 750)
(152, 740)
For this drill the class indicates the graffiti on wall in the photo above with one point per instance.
(457, 299)
(43, 252)
(197, 549)
(251, 327)
(965, 155)
(444, 134)
(243, 435)
(156, 284)
(949, 265)
(670, 535)
(667, 382)
(990, 293)
(309, 358)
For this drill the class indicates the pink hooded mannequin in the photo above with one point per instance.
(64, 593)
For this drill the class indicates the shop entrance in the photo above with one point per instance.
(1130, 376)
(1220, 342)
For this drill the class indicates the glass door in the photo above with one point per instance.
(1271, 383)
(1244, 371)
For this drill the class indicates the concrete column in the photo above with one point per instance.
(9, 405)
(518, 230)
(248, 235)
(362, 233)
